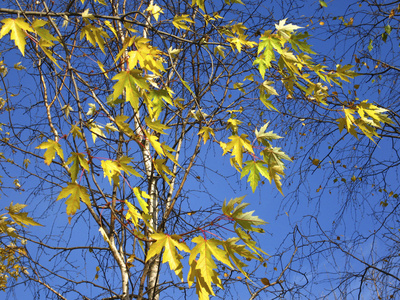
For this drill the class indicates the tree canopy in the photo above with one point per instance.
(131, 132)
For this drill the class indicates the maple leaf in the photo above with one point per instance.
(140, 195)
(345, 73)
(349, 118)
(67, 109)
(233, 124)
(377, 114)
(170, 243)
(203, 290)
(18, 28)
(154, 10)
(268, 43)
(112, 169)
(110, 128)
(128, 81)
(156, 144)
(156, 125)
(236, 144)
(156, 105)
(167, 151)
(207, 249)
(200, 3)
(95, 129)
(101, 66)
(232, 249)
(220, 51)
(132, 213)
(123, 162)
(254, 169)
(162, 169)
(146, 55)
(206, 132)
(263, 137)
(78, 160)
(21, 218)
(76, 132)
(299, 43)
(52, 147)
(122, 126)
(76, 193)
(285, 29)
(45, 34)
(179, 22)
(234, 210)
(94, 34)
(289, 60)
(343, 122)
(249, 242)
(273, 157)
(267, 87)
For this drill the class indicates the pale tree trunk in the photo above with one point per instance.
(154, 263)
(119, 254)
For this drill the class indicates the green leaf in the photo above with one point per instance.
(232, 249)
(76, 193)
(76, 132)
(323, 3)
(234, 210)
(370, 46)
(52, 147)
(388, 29)
(128, 81)
(263, 136)
(254, 169)
(78, 160)
(273, 157)
(300, 44)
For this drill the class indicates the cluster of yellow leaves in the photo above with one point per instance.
(371, 117)
(295, 69)
(10, 253)
(271, 165)
(206, 252)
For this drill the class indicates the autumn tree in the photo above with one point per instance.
(118, 116)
